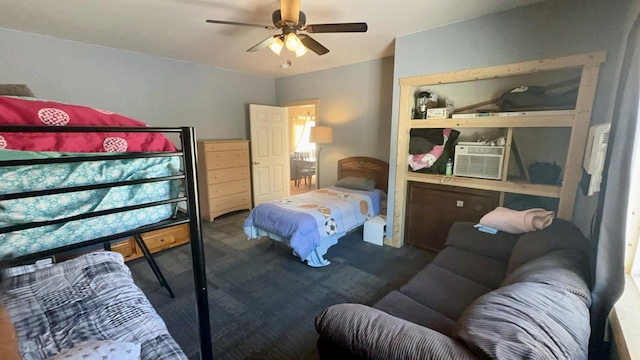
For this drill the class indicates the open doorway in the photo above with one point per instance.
(302, 116)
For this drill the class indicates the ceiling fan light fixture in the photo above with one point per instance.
(292, 42)
(301, 50)
(276, 46)
(289, 20)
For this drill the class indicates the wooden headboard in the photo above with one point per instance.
(366, 167)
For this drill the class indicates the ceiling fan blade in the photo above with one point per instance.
(336, 28)
(263, 44)
(313, 45)
(268, 27)
(290, 10)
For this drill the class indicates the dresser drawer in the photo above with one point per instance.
(227, 159)
(166, 238)
(229, 188)
(230, 201)
(126, 248)
(226, 175)
(223, 146)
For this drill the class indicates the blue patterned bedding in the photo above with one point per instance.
(40, 177)
(313, 220)
(92, 297)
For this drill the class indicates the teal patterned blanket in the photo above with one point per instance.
(17, 179)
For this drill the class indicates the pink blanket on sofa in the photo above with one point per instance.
(517, 222)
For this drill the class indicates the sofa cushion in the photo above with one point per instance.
(367, 333)
(464, 235)
(481, 269)
(443, 291)
(566, 269)
(526, 321)
(404, 307)
(559, 235)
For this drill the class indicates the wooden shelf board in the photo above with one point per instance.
(551, 191)
(527, 67)
(498, 122)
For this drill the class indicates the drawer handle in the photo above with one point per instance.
(162, 240)
(478, 207)
(218, 156)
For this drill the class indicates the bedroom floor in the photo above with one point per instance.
(302, 188)
(263, 300)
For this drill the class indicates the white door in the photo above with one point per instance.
(269, 153)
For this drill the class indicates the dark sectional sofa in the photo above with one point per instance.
(497, 296)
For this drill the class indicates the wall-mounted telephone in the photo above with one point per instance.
(594, 156)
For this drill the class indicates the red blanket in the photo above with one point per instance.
(16, 111)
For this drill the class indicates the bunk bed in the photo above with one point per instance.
(312, 222)
(92, 299)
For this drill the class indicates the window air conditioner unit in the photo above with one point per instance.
(478, 161)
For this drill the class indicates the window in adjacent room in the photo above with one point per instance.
(301, 128)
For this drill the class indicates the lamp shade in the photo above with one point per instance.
(321, 135)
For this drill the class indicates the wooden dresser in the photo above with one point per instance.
(155, 240)
(432, 209)
(224, 178)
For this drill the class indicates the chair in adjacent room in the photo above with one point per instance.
(305, 168)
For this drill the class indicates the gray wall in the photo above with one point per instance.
(356, 101)
(548, 29)
(158, 91)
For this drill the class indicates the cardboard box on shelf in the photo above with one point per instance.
(444, 111)
(438, 113)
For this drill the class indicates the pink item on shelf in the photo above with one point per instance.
(421, 161)
(517, 222)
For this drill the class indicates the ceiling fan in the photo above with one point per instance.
(291, 20)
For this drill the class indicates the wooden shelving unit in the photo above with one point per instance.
(577, 121)
(497, 122)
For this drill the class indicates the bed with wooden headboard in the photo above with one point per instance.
(365, 167)
(312, 222)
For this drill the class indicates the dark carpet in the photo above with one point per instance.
(263, 300)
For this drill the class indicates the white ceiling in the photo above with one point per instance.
(176, 29)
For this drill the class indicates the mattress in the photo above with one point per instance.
(92, 297)
(18, 179)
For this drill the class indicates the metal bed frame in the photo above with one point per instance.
(192, 217)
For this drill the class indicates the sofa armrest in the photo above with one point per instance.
(497, 246)
(368, 333)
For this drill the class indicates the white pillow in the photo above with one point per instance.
(100, 350)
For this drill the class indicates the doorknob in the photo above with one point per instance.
(256, 163)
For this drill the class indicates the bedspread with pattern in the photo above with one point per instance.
(17, 179)
(306, 218)
(92, 297)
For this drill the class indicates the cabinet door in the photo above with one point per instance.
(432, 209)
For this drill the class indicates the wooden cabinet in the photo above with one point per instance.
(156, 240)
(224, 178)
(576, 121)
(432, 209)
